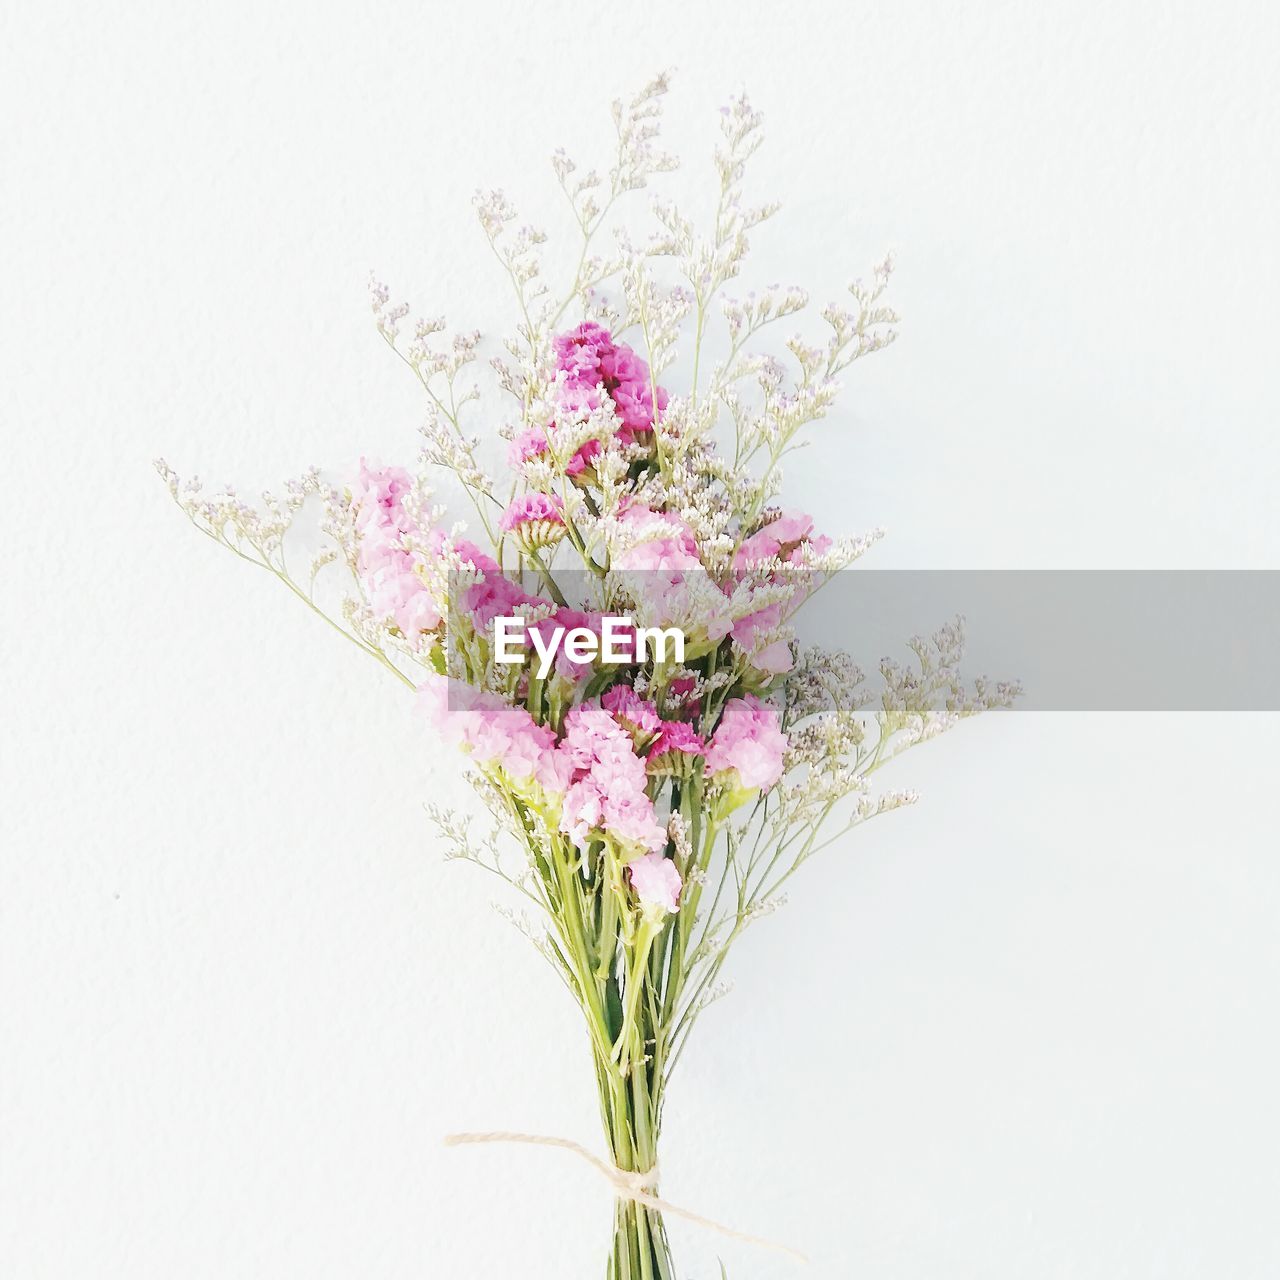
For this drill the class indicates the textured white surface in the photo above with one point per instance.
(1027, 1029)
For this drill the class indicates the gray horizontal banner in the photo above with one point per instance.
(1076, 640)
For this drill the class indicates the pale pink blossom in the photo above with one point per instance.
(377, 498)
(656, 881)
(633, 712)
(662, 541)
(526, 446)
(773, 658)
(747, 743)
(494, 732)
(494, 596)
(529, 508)
(394, 588)
(608, 794)
(582, 812)
(386, 565)
(782, 538)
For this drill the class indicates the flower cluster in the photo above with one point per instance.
(536, 519)
(788, 537)
(606, 798)
(387, 562)
(598, 381)
(748, 749)
(641, 482)
(593, 366)
(594, 775)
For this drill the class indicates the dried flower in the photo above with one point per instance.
(657, 801)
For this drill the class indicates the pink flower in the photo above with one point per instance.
(586, 727)
(533, 444)
(594, 362)
(634, 401)
(676, 735)
(773, 658)
(591, 366)
(377, 501)
(532, 508)
(622, 365)
(578, 399)
(394, 589)
(626, 378)
(583, 811)
(663, 541)
(392, 550)
(526, 446)
(747, 742)
(628, 818)
(386, 567)
(580, 352)
(493, 732)
(584, 458)
(494, 596)
(629, 709)
(677, 747)
(607, 795)
(680, 695)
(656, 881)
(470, 555)
(782, 537)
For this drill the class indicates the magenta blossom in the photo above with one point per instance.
(591, 366)
(677, 735)
(680, 697)
(592, 360)
(634, 402)
(677, 746)
(580, 352)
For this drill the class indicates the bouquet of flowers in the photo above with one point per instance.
(616, 655)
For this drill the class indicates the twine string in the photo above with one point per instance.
(627, 1184)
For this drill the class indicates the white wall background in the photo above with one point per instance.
(1026, 1029)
